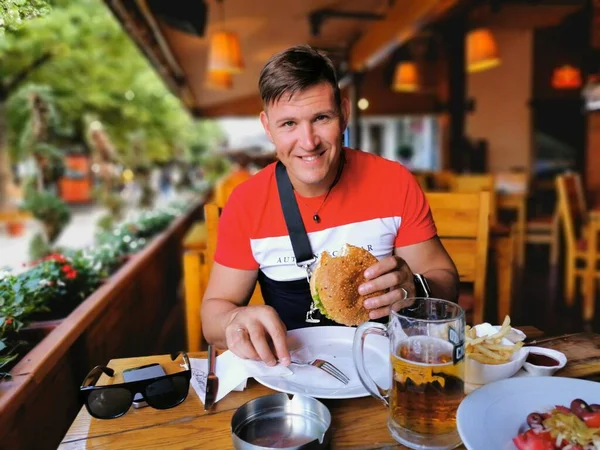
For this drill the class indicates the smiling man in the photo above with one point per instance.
(344, 196)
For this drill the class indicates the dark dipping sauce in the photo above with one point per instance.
(541, 360)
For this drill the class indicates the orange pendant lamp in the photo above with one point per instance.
(219, 80)
(225, 53)
(406, 77)
(566, 77)
(482, 51)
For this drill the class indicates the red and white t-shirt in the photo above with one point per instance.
(377, 204)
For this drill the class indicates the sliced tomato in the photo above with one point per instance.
(530, 440)
(591, 419)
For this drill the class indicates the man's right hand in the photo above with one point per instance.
(257, 332)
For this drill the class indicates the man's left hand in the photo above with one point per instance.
(392, 275)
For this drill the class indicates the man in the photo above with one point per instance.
(344, 196)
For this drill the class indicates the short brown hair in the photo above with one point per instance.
(294, 70)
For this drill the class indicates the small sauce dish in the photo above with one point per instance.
(542, 361)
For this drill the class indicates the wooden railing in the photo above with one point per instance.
(136, 312)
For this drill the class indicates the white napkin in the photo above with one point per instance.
(232, 372)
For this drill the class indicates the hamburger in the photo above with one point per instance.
(334, 285)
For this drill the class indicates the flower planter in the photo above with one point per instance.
(36, 331)
(135, 312)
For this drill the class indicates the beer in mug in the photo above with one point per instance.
(426, 338)
(426, 386)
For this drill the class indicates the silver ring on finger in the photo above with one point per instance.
(405, 293)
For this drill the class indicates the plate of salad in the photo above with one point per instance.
(532, 413)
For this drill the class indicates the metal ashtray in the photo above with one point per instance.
(278, 421)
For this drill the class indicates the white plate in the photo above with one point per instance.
(492, 416)
(333, 344)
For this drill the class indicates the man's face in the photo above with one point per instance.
(307, 133)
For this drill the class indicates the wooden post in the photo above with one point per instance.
(354, 96)
(454, 93)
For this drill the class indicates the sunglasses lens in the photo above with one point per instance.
(167, 392)
(108, 403)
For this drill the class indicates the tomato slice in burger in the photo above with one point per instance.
(591, 419)
(530, 440)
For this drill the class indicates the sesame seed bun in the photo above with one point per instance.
(334, 285)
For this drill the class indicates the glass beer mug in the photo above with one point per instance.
(427, 364)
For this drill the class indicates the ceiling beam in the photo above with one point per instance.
(404, 19)
(134, 21)
(240, 107)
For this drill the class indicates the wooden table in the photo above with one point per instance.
(357, 423)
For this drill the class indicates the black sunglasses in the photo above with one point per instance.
(114, 400)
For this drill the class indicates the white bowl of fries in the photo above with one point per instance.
(493, 353)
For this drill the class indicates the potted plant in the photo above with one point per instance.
(15, 308)
(53, 213)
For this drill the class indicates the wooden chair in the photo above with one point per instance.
(512, 189)
(442, 180)
(195, 277)
(463, 224)
(545, 230)
(422, 179)
(225, 186)
(212, 213)
(199, 245)
(504, 238)
(478, 183)
(581, 241)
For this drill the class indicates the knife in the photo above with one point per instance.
(212, 382)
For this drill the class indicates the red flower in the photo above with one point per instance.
(72, 274)
(8, 321)
(67, 268)
(56, 257)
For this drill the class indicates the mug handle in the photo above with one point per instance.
(359, 359)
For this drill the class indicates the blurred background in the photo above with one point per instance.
(109, 108)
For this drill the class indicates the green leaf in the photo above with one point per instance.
(32, 285)
(14, 13)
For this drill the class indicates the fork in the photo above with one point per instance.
(326, 367)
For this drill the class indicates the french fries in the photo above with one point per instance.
(490, 349)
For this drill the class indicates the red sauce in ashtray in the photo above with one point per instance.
(538, 359)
